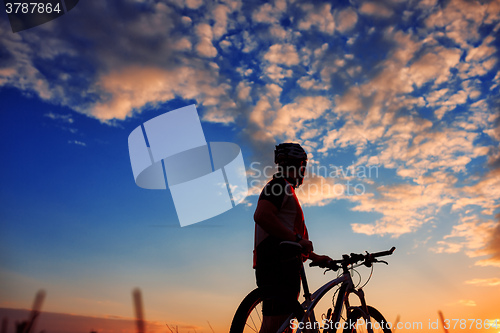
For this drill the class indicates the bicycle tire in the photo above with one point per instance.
(248, 316)
(378, 322)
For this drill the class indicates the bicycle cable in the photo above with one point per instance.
(360, 278)
(371, 273)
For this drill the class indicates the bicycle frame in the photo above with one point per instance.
(346, 288)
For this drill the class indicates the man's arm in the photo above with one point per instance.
(317, 258)
(266, 217)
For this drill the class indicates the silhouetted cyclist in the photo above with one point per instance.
(279, 218)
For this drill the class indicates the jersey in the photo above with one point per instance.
(281, 194)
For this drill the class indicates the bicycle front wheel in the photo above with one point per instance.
(248, 317)
(356, 323)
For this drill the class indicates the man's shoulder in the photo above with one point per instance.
(275, 187)
(277, 181)
(276, 190)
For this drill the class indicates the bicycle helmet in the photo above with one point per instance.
(289, 153)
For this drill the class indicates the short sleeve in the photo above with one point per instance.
(274, 191)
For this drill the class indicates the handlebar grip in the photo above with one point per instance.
(332, 264)
(313, 264)
(384, 253)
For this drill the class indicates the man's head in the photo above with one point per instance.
(291, 159)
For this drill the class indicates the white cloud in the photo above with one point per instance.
(320, 191)
(277, 73)
(484, 194)
(250, 42)
(220, 13)
(277, 31)
(467, 302)
(225, 44)
(310, 83)
(319, 17)
(434, 66)
(264, 14)
(67, 118)
(481, 52)
(461, 19)
(346, 20)
(405, 208)
(194, 4)
(283, 54)
(291, 118)
(491, 282)
(268, 13)
(243, 90)
(475, 237)
(205, 47)
(376, 9)
(132, 88)
(78, 143)
(183, 44)
(186, 20)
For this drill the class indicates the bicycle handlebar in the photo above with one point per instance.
(354, 258)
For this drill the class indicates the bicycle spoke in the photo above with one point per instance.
(258, 314)
(253, 323)
(253, 329)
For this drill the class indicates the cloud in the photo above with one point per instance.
(268, 13)
(283, 54)
(431, 161)
(376, 9)
(319, 17)
(183, 44)
(194, 4)
(419, 102)
(461, 19)
(476, 238)
(434, 66)
(482, 52)
(291, 118)
(78, 143)
(492, 248)
(346, 20)
(467, 302)
(66, 61)
(205, 47)
(132, 88)
(485, 194)
(404, 208)
(66, 118)
(220, 13)
(491, 282)
(320, 191)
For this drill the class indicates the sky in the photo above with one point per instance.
(396, 103)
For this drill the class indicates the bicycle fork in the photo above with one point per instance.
(363, 308)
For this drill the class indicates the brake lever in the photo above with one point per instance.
(382, 261)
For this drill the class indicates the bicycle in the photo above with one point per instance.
(358, 318)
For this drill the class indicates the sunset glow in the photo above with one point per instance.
(396, 103)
